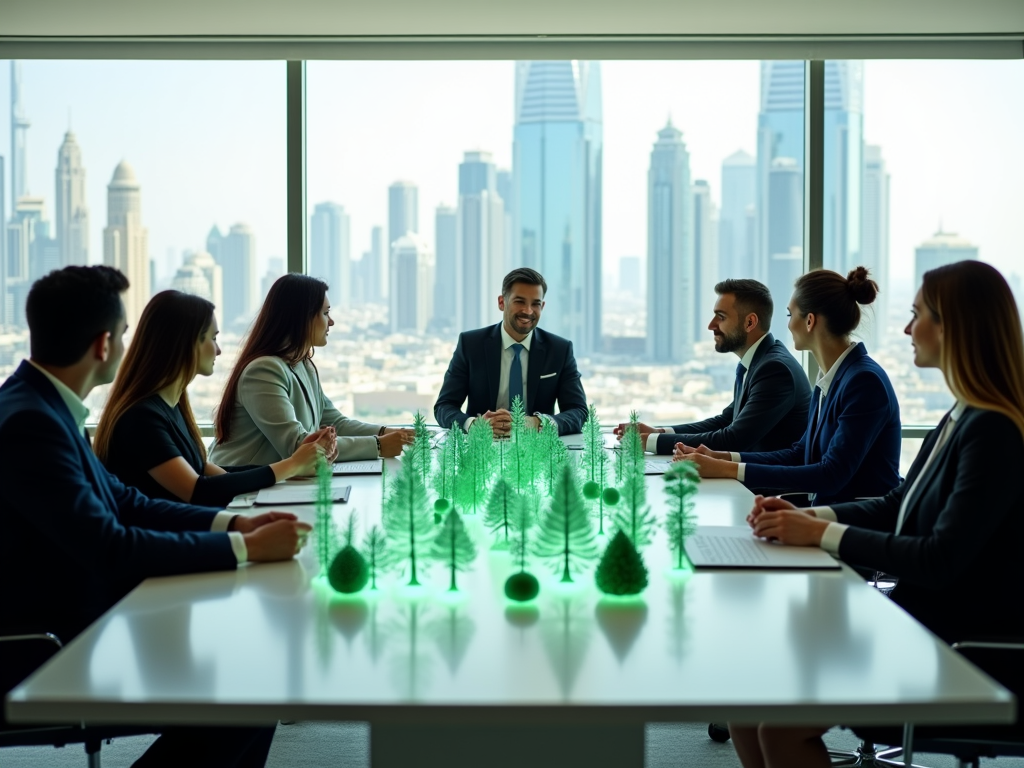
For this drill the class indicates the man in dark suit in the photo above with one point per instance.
(76, 540)
(492, 365)
(771, 394)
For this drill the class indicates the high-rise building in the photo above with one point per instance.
(446, 221)
(19, 138)
(72, 212)
(403, 218)
(671, 276)
(125, 240)
(941, 249)
(214, 240)
(735, 241)
(506, 189)
(705, 257)
(411, 294)
(875, 238)
(785, 228)
(557, 182)
(31, 253)
(480, 242)
(330, 244)
(631, 276)
(200, 275)
(375, 268)
(238, 260)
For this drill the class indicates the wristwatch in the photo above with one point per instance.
(378, 445)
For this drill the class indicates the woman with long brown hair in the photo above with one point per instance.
(148, 436)
(273, 399)
(956, 522)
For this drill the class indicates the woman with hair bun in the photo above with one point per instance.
(851, 447)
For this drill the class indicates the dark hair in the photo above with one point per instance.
(751, 297)
(69, 308)
(163, 350)
(523, 275)
(835, 299)
(281, 329)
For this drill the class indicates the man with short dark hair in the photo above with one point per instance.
(493, 365)
(76, 540)
(771, 394)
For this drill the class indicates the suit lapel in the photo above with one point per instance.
(762, 350)
(929, 473)
(828, 404)
(492, 363)
(538, 361)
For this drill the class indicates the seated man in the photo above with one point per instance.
(492, 365)
(771, 395)
(76, 540)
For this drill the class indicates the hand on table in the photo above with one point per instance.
(302, 463)
(272, 536)
(500, 421)
(777, 519)
(709, 463)
(643, 429)
(394, 440)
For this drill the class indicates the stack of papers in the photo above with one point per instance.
(294, 493)
(370, 467)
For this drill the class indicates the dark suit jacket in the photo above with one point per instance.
(958, 554)
(476, 367)
(852, 451)
(75, 539)
(771, 412)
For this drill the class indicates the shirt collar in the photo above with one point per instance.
(748, 356)
(79, 410)
(507, 341)
(958, 410)
(825, 379)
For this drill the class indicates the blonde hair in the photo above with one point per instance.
(982, 349)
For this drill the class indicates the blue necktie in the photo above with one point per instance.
(515, 377)
(738, 386)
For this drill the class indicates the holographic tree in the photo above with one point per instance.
(634, 516)
(501, 505)
(376, 553)
(324, 530)
(447, 471)
(681, 480)
(621, 570)
(348, 572)
(522, 586)
(420, 452)
(553, 453)
(476, 467)
(453, 546)
(407, 519)
(566, 538)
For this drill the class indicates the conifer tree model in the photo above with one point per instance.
(621, 570)
(501, 505)
(522, 586)
(453, 546)
(406, 518)
(376, 553)
(634, 516)
(448, 469)
(681, 481)
(348, 572)
(565, 537)
(324, 530)
(553, 454)
(420, 452)
(476, 467)
(523, 470)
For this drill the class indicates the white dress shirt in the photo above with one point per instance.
(507, 356)
(80, 411)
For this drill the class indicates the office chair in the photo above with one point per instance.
(22, 654)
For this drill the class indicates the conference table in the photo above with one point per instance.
(470, 678)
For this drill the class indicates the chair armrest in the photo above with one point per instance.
(22, 654)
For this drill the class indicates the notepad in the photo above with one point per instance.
(736, 547)
(370, 467)
(283, 493)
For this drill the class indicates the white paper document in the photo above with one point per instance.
(658, 466)
(295, 493)
(370, 467)
(714, 546)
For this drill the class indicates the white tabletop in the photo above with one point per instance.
(272, 642)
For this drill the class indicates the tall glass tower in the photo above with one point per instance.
(556, 205)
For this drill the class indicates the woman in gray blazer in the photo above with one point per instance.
(273, 401)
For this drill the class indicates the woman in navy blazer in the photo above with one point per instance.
(956, 521)
(851, 447)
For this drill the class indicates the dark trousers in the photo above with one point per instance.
(208, 747)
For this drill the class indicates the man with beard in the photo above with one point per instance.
(771, 394)
(493, 365)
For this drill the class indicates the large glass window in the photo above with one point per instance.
(633, 187)
(172, 171)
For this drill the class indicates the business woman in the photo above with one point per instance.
(851, 446)
(956, 522)
(147, 435)
(273, 400)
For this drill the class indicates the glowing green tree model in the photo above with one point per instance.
(566, 537)
(453, 546)
(621, 570)
(552, 452)
(448, 469)
(376, 553)
(522, 586)
(348, 572)
(595, 464)
(324, 529)
(681, 481)
(500, 507)
(476, 468)
(634, 516)
(407, 519)
(522, 470)
(420, 452)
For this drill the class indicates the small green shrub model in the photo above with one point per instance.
(348, 571)
(621, 570)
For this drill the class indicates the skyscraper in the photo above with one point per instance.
(739, 191)
(19, 137)
(941, 249)
(671, 276)
(412, 285)
(72, 212)
(875, 236)
(125, 240)
(785, 228)
(238, 260)
(214, 240)
(445, 280)
(403, 218)
(480, 242)
(705, 257)
(376, 269)
(330, 251)
(631, 276)
(556, 202)
(199, 274)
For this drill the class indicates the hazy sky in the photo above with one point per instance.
(207, 141)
